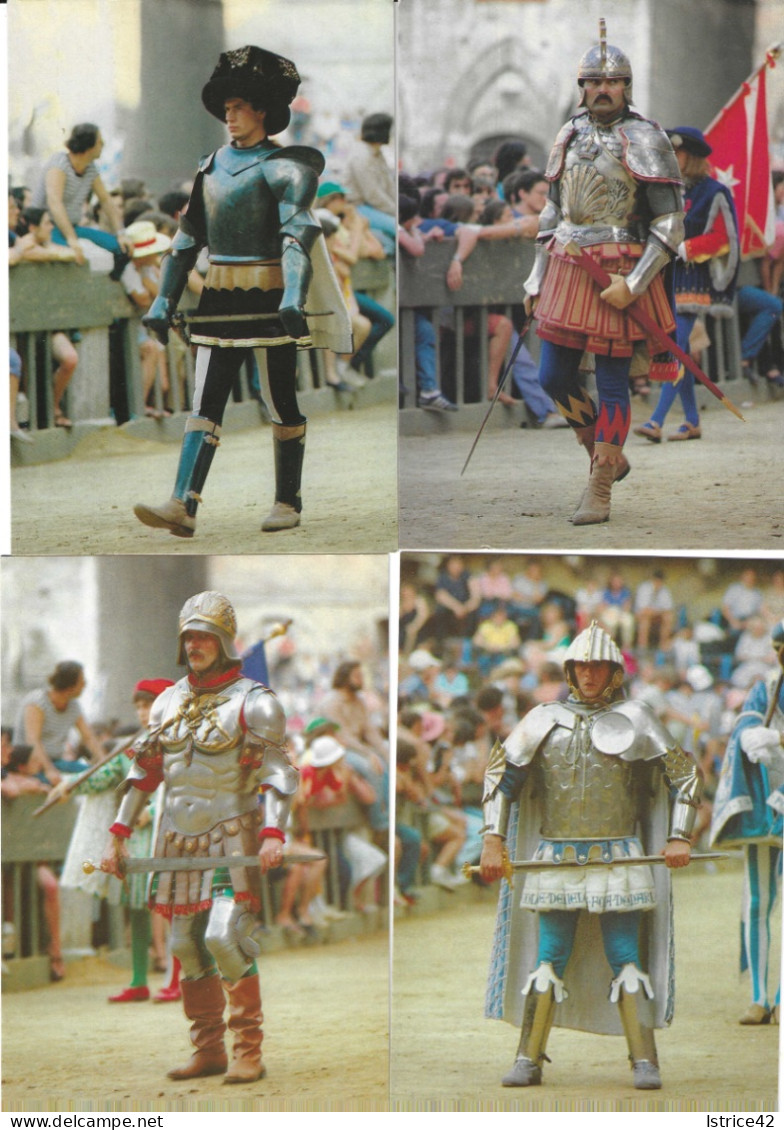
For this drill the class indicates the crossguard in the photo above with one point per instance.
(89, 867)
(471, 869)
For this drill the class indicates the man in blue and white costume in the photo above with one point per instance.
(582, 780)
(748, 811)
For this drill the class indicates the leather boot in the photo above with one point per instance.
(178, 514)
(245, 1021)
(289, 446)
(595, 504)
(203, 1002)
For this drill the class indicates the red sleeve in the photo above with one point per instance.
(712, 243)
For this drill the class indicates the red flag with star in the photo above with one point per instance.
(738, 136)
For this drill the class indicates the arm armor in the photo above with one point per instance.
(548, 221)
(135, 791)
(665, 232)
(176, 265)
(495, 804)
(684, 776)
(507, 767)
(280, 781)
(263, 717)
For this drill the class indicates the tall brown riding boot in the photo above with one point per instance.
(203, 1002)
(595, 504)
(245, 1020)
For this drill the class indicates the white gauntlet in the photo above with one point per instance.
(762, 745)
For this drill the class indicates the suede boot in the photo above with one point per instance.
(203, 1002)
(245, 1021)
(595, 504)
(586, 436)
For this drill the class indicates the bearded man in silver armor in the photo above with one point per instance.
(216, 740)
(576, 782)
(615, 192)
(250, 206)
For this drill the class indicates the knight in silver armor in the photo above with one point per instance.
(250, 206)
(615, 193)
(216, 740)
(588, 779)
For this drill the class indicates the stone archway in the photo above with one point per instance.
(497, 98)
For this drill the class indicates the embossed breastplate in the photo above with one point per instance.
(597, 192)
(207, 778)
(585, 794)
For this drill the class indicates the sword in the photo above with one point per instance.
(644, 319)
(117, 747)
(501, 380)
(202, 863)
(181, 321)
(511, 865)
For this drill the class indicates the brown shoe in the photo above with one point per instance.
(245, 1020)
(755, 1014)
(687, 431)
(650, 431)
(203, 1002)
(172, 516)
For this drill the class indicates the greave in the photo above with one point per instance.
(199, 442)
(289, 446)
(543, 990)
(178, 513)
(626, 990)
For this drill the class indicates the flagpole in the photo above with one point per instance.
(771, 55)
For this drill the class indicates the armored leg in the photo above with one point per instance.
(203, 1002)
(626, 991)
(542, 991)
(178, 515)
(289, 447)
(229, 939)
(245, 1023)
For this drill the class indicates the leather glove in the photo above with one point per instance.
(158, 319)
(762, 745)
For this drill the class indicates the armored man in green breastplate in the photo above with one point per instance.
(250, 206)
(576, 782)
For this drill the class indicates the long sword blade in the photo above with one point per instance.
(203, 863)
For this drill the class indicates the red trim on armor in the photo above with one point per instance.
(273, 834)
(121, 830)
(216, 680)
(184, 910)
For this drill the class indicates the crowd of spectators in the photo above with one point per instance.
(70, 215)
(336, 712)
(482, 641)
(501, 199)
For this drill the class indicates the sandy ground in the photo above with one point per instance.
(84, 504)
(325, 1047)
(446, 1056)
(522, 486)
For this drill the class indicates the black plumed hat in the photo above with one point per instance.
(258, 76)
